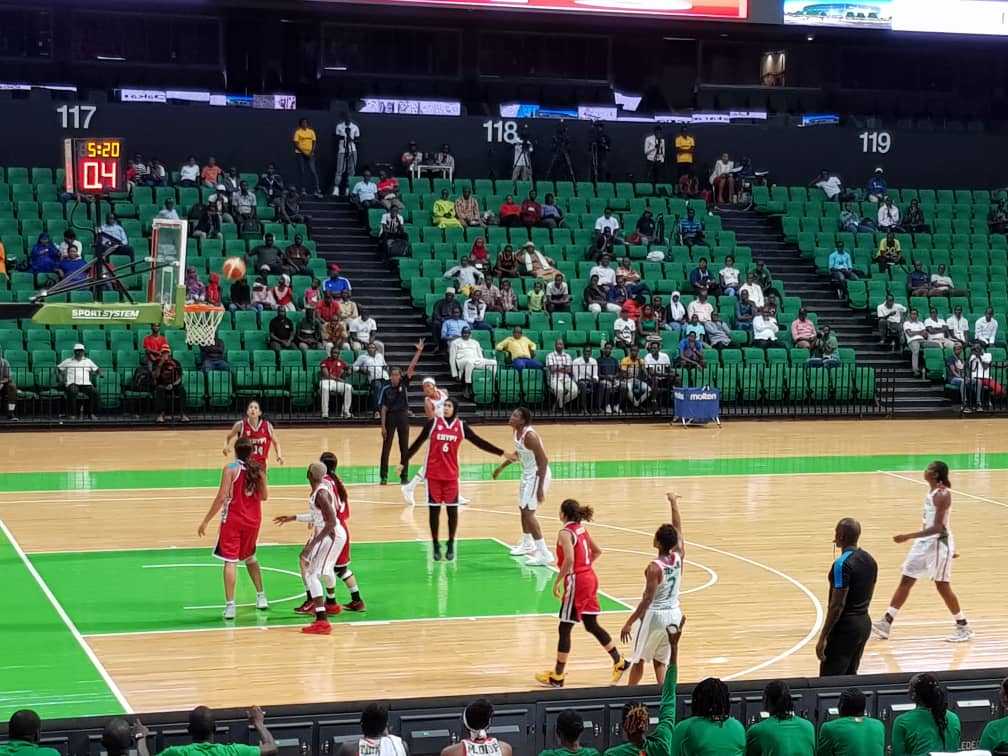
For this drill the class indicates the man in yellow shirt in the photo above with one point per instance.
(522, 350)
(684, 146)
(304, 149)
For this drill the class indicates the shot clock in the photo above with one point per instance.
(94, 166)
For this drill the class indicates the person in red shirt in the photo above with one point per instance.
(259, 431)
(213, 290)
(332, 369)
(441, 470)
(211, 173)
(509, 213)
(388, 191)
(576, 585)
(153, 342)
(327, 307)
(479, 254)
(531, 211)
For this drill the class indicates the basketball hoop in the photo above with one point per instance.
(201, 323)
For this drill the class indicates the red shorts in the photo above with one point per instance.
(580, 596)
(236, 541)
(344, 556)
(442, 492)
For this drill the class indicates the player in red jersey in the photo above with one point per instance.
(239, 501)
(343, 571)
(576, 586)
(441, 470)
(260, 431)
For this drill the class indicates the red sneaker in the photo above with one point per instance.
(318, 627)
(354, 606)
(308, 607)
(332, 608)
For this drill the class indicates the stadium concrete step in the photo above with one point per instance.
(854, 329)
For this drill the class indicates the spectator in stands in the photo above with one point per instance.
(169, 392)
(203, 729)
(443, 212)
(363, 331)
(240, 296)
(388, 191)
(551, 216)
(507, 264)
(585, 373)
(153, 342)
(474, 311)
(220, 201)
(782, 730)
(955, 375)
(156, 174)
(603, 245)
(231, 181)
(690, 354)
(71, 264)
(654, 155)
(914, 221)
(376, 740)
(958, 326)
(347, 137)
(605, 274)
(509, 213)
(890, 319)
(244, 203)
(560, 368)
(877, 186)
(595, 296)
(441, 312)
(765, 329)
(929, 728)
(336, 283)
(986, 328)
(44, 256)
(691, 231)
(980, 383)
(536, 298)
(465, 357)
(262, 296)
(443, 157)
(717, 332)
(467, 209)
(722, 180)
(890, 251)
(659, 369)
(997, 218)
(523, 149)
(645, 230)
(289, 209)
(283, 294)
(209, 224)
(632, 278)
(851, 732)
(634, 373)
(189, 173)
(411, 156)
(480, 255)
(943, 285)
(612, 387)
(674, 316)
(701, 279)
(831, 185)
(689, 186)
(531, 210)
(624, 330)
(745, 310)
(119, 738)
(212, 357)
(937, 330)
(347, 307)
(647, 324)
(392, 239)
(70, 240)
(765, 280)
(364, 194)
(729, 277)
(313, 294)
(334, 333)
(305, 142)
(618, 296)
(331, 382)
(569, 726)
(117, 243)
(888, 216)
(296, 256)
(76, 373)
(918, 282)
(841, 269)
(824, 349)
(213, 292)
(521, 349)
(700, 307)
(265, 257)
(452, 328)
(168, 212)
(140, 169)
(610, 221)
(24, 731)
(915, 333)
(803, 330)
(210, 175)
(281, 332)
(507, 298)
(195, 289)
(8, 390)
(557, 295)
(852, 222)
(468, 275)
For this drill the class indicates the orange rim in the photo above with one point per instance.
(202, 308)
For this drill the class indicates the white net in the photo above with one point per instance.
(201, 323)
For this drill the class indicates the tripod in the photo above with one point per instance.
(561, 155)
(522, 168)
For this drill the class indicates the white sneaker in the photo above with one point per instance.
(463, 500)
(881, 628)
(608, 409)
(407, 494)
(540, 559)
(229, 611)
(261, 603)
(525, 546)
(962, 634)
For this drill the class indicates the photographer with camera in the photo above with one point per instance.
(561, 153)
(523, 148)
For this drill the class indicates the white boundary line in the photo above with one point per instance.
(66, 619)
(711, 580)
(207, 550)
(956, 491)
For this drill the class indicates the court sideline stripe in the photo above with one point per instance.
(47, 592)
(956, 491)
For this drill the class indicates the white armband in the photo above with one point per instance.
(304, 518)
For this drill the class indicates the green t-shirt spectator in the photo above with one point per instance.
(916, 734)
(25, 748)
(699, 736)
(658, 743)
(851, 736)
(793, 736)
(211, 749)
(995, 736)
(583, 751)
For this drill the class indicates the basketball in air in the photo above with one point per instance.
(233, 268)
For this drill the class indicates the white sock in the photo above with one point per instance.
(230, 603)
(526, 539)
(960, 617)
(891, 611)
(260, 594)
(541, 547)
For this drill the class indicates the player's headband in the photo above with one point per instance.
(480, 734)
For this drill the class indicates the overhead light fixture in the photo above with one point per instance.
(810, 37)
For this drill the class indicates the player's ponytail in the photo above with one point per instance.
(636, 719)
(666, 539)
(331, 463)
(925, 691)
(253, 470)
(476, 718)
(573, 511)
(777, 699)
(942, 471)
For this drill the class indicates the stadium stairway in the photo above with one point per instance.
(853, 328)
(342, 237)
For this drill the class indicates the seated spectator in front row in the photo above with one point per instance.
(913, 221)
(955, 374)
(467, 209)
(691, 354)
(691, 231)
(915, 333)
(717, 332)
(986, 328)
(782, 730)
(289, 209)
(841, 269)
(75, 372)
(803, 330)
(569, 726)
(997, 218)
(331, 382)
(560, 367)
(890, 319)
(765, 329)
(443, 212)
(212, 357)
(24, 732)
(521, 349)
(465, 357)
(203, 729)
(824, 350)
(958, 326)
(169, 393)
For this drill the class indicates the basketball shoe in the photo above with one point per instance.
(407, 493)
(261, 603)
(881, 628)
(618, 669)
(550, 679)
(331, 607)
(524, 546)
(318, 627)
(354, 606)
(962, 634)
(540, 559)
(229, 610)
(308, 607)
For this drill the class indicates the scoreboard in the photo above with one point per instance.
(94, 166)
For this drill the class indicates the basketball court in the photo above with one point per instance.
(113, 602)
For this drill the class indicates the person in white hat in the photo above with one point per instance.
(76, 372)
(434, 401)
(877, 187)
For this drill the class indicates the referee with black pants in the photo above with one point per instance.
(852, 583)
(393, 404)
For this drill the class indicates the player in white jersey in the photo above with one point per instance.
(318, 558)
(476, 719)
(659, 606)
(376, 740)
(532, 487)
(434, 401)
(930, 556)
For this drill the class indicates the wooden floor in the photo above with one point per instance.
(759, 548)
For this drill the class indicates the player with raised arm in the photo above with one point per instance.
(259, 430)
(476, 719)
(535, 481)
(434, 399)
(930, 556)
(239, 501)
(441, 470)
(318, 557)
(659, 606)
(343, 571)
(576, 585)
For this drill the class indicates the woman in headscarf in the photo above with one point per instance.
(283, 294)
(195, 290)
(479, 254)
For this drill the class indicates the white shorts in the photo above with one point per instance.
(651, 642)
(527, 488)
(930, 558)
(322, 559)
